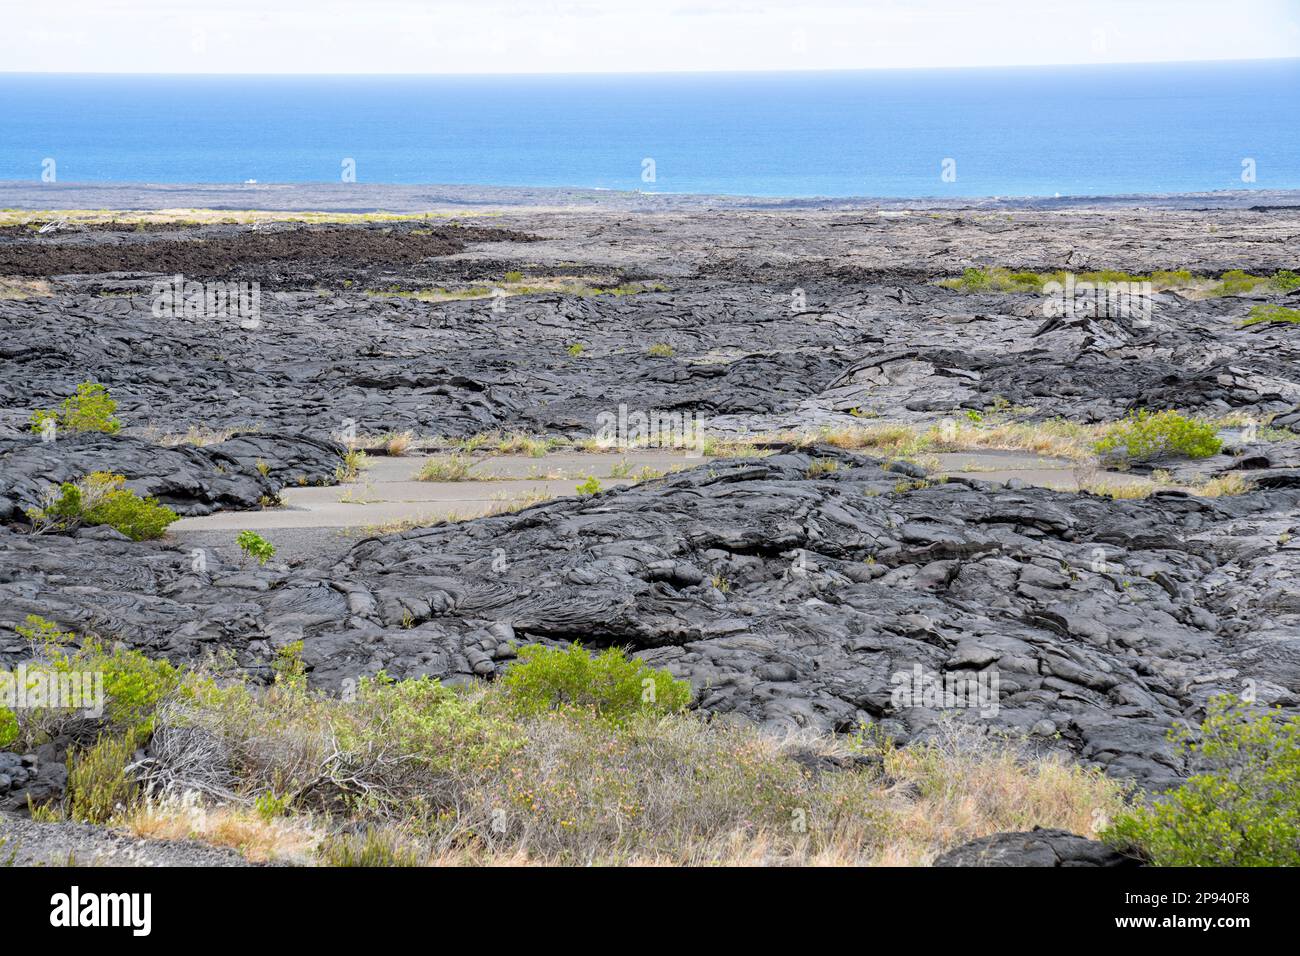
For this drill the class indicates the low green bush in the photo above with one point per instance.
(1272, 313)
(377, 846)
(255, 546)
(98, 784)
(1242, 807)
(133, 684)
(610, 683)
(1144, 435)
(1000, 279)
(101, 499)
(89, 410)
(9, 729)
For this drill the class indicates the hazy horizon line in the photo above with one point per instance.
(826, 70)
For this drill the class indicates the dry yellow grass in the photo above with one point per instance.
(398, 443)
(291, 839)
(1230, 484)
(1058, 439)
(668, 791)
(15, 289)
(508, 504)
(194, 435)
(937, 795)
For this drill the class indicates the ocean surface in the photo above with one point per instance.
(1025, 131)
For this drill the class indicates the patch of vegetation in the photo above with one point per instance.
(396, 444)
(565, 761)
(508, 443)
(9, 729)
(377, 846)
(133, 684)
(660, 350)
(354, 461)
(98, 783)
(1239, 282)
(269, 805)
(999, 279)
(589, 487)
(509, 504)
(255, 546)
(610, 685)
(454, 467)
(101, 499)
(714, 447)
(1241, 807)
(1232, 282)
(1272, 313)
(15, 289)
(1144, 435)
(90, 409)
(575, 349)
(516, 443)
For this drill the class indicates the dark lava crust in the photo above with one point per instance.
(792, 597)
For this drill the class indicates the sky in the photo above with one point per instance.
(585, 36)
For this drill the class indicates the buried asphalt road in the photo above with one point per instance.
(317, 520)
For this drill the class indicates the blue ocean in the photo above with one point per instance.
(1025, 131)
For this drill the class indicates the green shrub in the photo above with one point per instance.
(354, 462)
(43, 633)
(1272, 313)
(133, 684)
(1243, 806)
(999, 279)
(288, 666)
(378, 846)
(100, 498)
(8, 727)
(1235, 281)
(268, 806)
(98, 784)
(89, 410)
(255, 546)
(434, 726)
(589, 487)
(972, 280)
(1170, 278)
(609, 683)
(1284, 280)
(453, 467)
(575, 349)
(1145, 434)
(660, 350)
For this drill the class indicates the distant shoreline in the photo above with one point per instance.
(374, 198)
